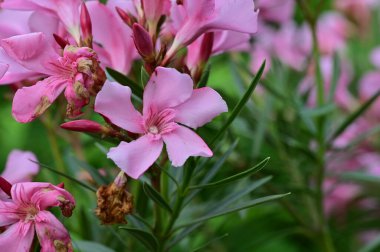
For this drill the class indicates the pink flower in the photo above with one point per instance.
(368, 86)
(3, 69)
(280, 11)
(67, 11)
(375, 57)
(169, 102)
(26, 212)
(190, 19)
(114, 47)
(20, 167)
(76, 71)
(153, 10)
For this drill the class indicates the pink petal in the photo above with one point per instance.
(117, 47)
(18, 24)
(114, 102)
(183, 143)
(19, 167)
(166, 88)
(31, 102)
(43, 195)
(18, 237)
(15, 72)
(203, 105)
(34, 51)
(41, 21)
(375, 57)
(137, 156)
(234, 15)
(50, 231)
(9, 213)
(3, 69)
(279, 11)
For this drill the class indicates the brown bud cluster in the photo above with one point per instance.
(114, 203)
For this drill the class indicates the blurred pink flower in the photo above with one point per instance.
(190, 19)
(338, 196)
(368, 86)
(26, 211)
(72, 72)
(343, 97)
(332, 32)
(3, 69)
(280, 11)
(169, 101)
(375, 57)
(292, 45)
(20, 167)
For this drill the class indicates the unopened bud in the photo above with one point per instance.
(127, 18)
(84, 126)
(86, 25)
(143, 42)
(114, 201)
(60, 41)
(5, 186)
(206, 47)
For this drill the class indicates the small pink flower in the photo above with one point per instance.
(190, 19)
(20, 166)
(280, 11)
(169, 102)
(76, 71)
(26, 213)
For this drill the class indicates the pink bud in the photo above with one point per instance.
(125, 16)
(206, 47)
(84, 126)
(5, 186)
(85, 23)
(143, 42)
(61, 185)
(60, 41)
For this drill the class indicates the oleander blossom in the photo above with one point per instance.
(76, 70)
(26, 213)
(170, 106)
(21, 166)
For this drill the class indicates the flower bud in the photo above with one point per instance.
(143, 42)
(206, 47)
(84, 126)
(127, 18)
(5, 186)
(86, 26)
(114, 201)
(60, 41)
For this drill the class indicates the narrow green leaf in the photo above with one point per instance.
(202, 247)
(235, 112)
(335, 78)
(246, 205)
(362, 177)
(144, 77)
(235, 177)
(355, 115)
(205, 76)
(84, 185)
(156, 197)
(147, 239)
(124, 80)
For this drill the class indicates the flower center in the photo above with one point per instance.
(30, 213)
(158, 123)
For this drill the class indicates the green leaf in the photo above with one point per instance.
(204, 78)
(78, 164)
(144, 77)
(372, 246)
(246, 205)
(124, 80)
(84, 185)
(88, 246)
(235, 112)
(156, 197)
(147, 239)
(355, 115)
(335, 79)
(235, 177)
(362, 177)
